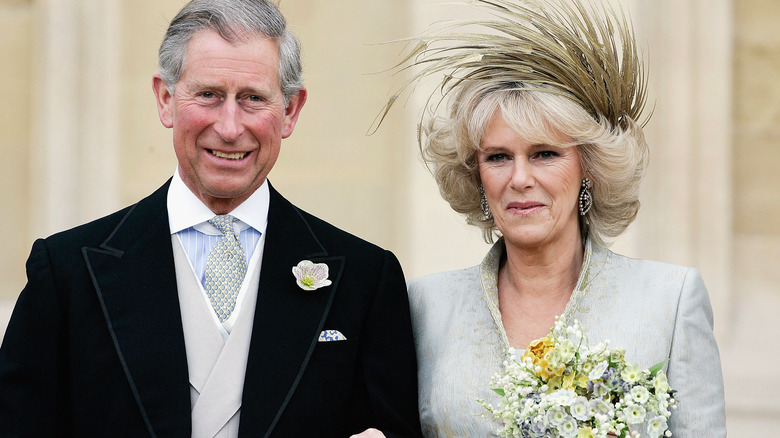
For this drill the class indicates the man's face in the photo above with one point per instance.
(228, 117)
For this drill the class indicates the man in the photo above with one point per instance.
(183, 315)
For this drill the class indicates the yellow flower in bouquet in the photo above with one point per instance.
(539, 348)
(546, 358)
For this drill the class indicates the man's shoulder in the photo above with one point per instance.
(97, 231)
(91, 233)
(334, 237)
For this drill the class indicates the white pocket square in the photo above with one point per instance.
(331, 335)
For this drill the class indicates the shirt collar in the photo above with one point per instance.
(186, 210)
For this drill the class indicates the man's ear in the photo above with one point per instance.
(164, 105)
(292, 112)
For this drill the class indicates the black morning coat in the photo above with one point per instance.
(95, 346)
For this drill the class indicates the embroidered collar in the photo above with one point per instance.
(488, 274)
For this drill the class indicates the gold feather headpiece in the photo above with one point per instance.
(586, 53)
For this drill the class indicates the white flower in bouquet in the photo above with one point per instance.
(562, 388)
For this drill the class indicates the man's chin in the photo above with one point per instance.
(225, 196)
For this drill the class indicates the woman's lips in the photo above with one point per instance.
(525, 207)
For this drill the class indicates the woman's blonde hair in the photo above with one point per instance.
(614, 158)
(550, 67)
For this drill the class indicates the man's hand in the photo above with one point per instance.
(369, 433)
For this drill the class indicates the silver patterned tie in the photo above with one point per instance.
(225, 268)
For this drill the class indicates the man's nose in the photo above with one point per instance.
(228, 125)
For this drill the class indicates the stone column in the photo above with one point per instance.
(75, 138)
(686, 214)
(16, 18)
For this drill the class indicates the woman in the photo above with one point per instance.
(540, 144)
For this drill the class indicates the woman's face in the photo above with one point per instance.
(532, 189)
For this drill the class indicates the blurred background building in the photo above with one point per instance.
(80, 137)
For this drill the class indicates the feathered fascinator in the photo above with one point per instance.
(586, 53)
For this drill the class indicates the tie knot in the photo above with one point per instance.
(224, 223)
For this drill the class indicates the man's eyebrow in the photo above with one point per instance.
(197, 85)
(255, 92)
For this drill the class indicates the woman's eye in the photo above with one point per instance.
(546, 154)
(497, 157)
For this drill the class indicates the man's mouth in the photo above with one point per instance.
(231, 156)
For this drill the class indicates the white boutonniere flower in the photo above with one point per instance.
(311, 276)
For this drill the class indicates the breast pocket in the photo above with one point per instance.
(335, 351)
(328, 382)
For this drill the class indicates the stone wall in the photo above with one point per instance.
(749, 353)
(80, 137)
(16, 49)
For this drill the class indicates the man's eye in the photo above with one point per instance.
(207, 94)
(254, 98)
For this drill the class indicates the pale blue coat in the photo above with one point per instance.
(653, 310)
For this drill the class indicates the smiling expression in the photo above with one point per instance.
(228, 117)
(532, 189)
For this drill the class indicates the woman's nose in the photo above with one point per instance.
(522, 174)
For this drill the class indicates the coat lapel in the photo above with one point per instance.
(288, 320)
(134, 275)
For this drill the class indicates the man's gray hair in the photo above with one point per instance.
(234, 20)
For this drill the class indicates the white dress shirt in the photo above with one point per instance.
(188, 219)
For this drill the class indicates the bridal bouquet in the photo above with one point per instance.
(563, 388)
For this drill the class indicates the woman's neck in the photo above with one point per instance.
(546, 269)
(534, 287)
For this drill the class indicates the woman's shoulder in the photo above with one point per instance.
(605, 259)
(460, 279)
(609, 270)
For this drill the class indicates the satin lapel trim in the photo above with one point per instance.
(288, 320)
(133, 274)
